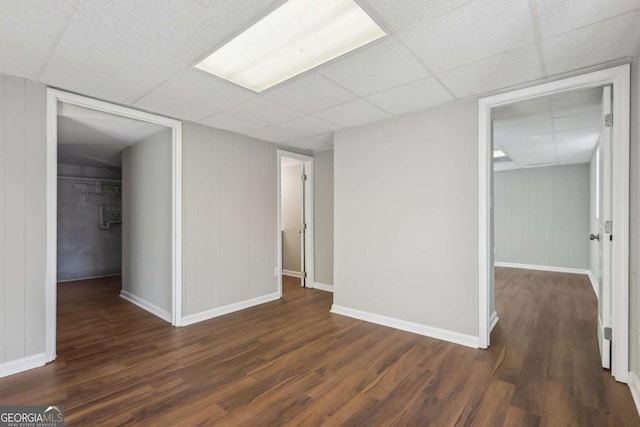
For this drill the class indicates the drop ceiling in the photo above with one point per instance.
(93, 138)
(560, 129)
(142, 53)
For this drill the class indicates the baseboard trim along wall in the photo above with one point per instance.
(23, 364)
(291, 273)
(323, 287)
(226, 309)
(416, 328)
(634, 386)
(89, 278)
(542, 268)
(594, 283)
(493, 320)
(146, 305)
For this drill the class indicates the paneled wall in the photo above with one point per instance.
(542, 216)
(22, 218)
(323, 216)
(230, 225)
(147, 214)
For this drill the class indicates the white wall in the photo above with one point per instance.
(22, 218)
(147, 220)
(323, 216)
(230, 224)
(291, 202)
(406, 218)
(542, 216)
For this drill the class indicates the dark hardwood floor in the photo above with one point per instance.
(291, 362)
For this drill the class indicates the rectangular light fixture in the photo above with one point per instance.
(294, 38)
(498, 153)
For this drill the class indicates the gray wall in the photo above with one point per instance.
(230, 225)
(634, 294)
(323, 216)
(147, 220)
(84, 249)
(291, 197)
(22, 217)
(542, 216)
(406, 218)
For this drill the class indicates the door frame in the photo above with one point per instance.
(53, 97)
(309, 220)
(619, 78)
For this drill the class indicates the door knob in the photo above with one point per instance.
(594, 237)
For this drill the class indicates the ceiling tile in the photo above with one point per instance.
(354, 113)
(112, 59)
(171, 107)
(308, 144)
(310, 93)
(559, 16)
(605, 41)
(26, 37)
(197, 88)
(540, 154)
(404, 14)
(327, 138)
(263, 112)
(182, 31)
(412, 96)
(384, 65)
(508, 69)
(222, 121)
(271, 134)
(68, 78)
(478, 30)
(304, 127)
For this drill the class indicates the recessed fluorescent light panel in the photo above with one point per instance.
(294, 38)
(498, 153)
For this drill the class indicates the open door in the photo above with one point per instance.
(303, 229)
(604, 236)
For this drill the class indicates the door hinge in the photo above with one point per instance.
(608, 120)
(304, 227)
(608, 333)
(303, 177)
(608, 227)
(304, 274)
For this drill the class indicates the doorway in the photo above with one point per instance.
(617, 79)
(121, 175)
(295, 218)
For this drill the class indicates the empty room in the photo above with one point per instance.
(320, 212)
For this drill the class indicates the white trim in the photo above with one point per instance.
(89, 278)
(620, 78)
(416, 328)
(54, 96)
(493, 321)
(634, 386)
(23, 364)
(226, 309)
(146, 305)
(543, 268)
(309, 220)
(291, 273)
(594, 282)
(323, 287)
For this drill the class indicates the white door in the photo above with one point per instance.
(604, 232)
(303, 229)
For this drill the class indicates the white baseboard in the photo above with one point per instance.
(493, 320)
(291, 273)
(416, 328)
(146, 305)
(89, 278)
(594, 282)
(23, 364)
(542, 268)
(634, 386)
(323, 287)
(236, 306)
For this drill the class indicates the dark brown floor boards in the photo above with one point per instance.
(291, 362)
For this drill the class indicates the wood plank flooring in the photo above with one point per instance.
(291, 362)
